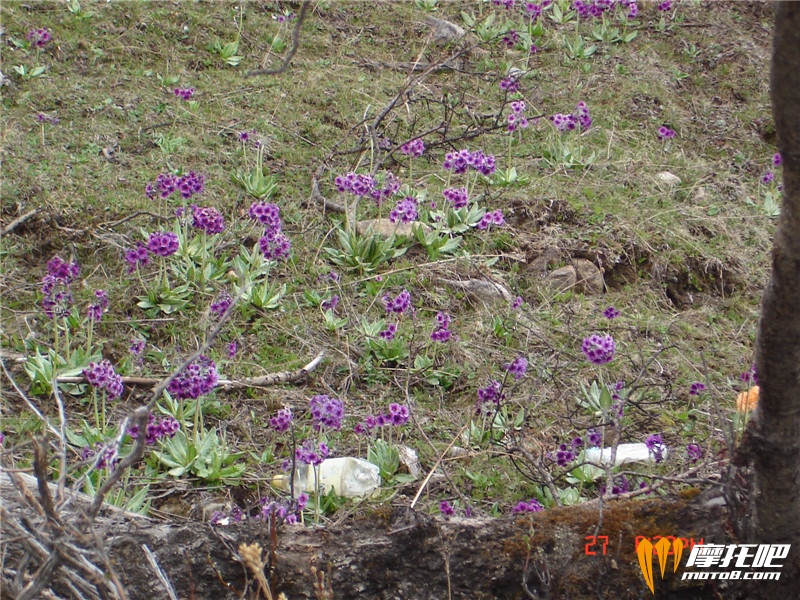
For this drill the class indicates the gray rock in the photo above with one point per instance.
(589, 278)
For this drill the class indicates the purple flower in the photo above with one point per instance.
(446, 508)
(457, 196)
(274, 245)
(564, 455)
(517, 367)
(777, 159)
(388, 333)
(282, 420)
(384, 187)
(356, 184)
(611, 313)
(398, 305)
(665, 133)
(184, 93)
(102, 375)
(208, 219)
(531, 505)
(162, 243)
(266, 213)
(39, 37)
(694, 452)
(326, 412)
(441, 335)
(414, 148)
(190, 184)
(582, 115)
(767, 177)
(198, 378)
(493, 218)
(595, 438)
(233, 348)
(96, 311)
(491, 394)
(62, 271)
(517, 302)
(509, 84)
(656, 447)
(308, 454)
(533, 10)
(696, 388)
(599, 349)
(223, 302)
(405, 211)
(137, 346)
(398, 414)
(665, 6)
(331, 303)
(137, 256)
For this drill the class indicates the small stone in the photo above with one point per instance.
(562, 279)
(445, 32)
(589, 278)
(668, 178)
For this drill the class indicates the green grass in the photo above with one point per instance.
(685, 264)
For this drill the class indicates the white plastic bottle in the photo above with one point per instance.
(626, 453)
(346, 476)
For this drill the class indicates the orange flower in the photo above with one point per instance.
(747, 401)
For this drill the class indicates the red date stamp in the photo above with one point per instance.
(595, 543)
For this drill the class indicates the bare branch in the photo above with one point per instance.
(292, 51)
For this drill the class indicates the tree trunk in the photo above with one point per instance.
(774, 438)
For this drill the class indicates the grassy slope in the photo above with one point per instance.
(684, 264)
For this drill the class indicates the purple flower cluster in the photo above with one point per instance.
(509, 84)
(694, 452)
(517, 368)
(414, 148)
(233, 348)
(750, 376)
(777, 159)
(102, 375)
(397, 416)
(596, 8)
(274, 244)
(405, 211)
(398, 305)
(167, 184)
(510, 39)
(599, 349)
(459, 162)
(136, 257)
(610, 313)
(96, 310)
(665, 5)
(104, 456)
(282, 420)
(580, 119)
(184, 93)
(266, 213)
(162, 243)
(620, 485)
(656, 447)
(566, 453)
(696, 388)
(330, 304)
(137, 346)
(326, 412)
(457, 196)
(388, 333)
(198, 378)
(490, 395)
(384, 187)
(507, 4)
(442, 332)
(308, 454)
(57, 298)
(234, 516)
(355, 183)
(533, 10)
(531, 505)
(221, 304)
(665, 133)
(43, 118)
(446, 508)
(517, 116)
(208, 219)
(594, 437)
(767, 177)
(517, 302)
(39, 37)
(165, 427)
(491, 218)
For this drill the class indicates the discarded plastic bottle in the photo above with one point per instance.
(345, 476)
(626, 453)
